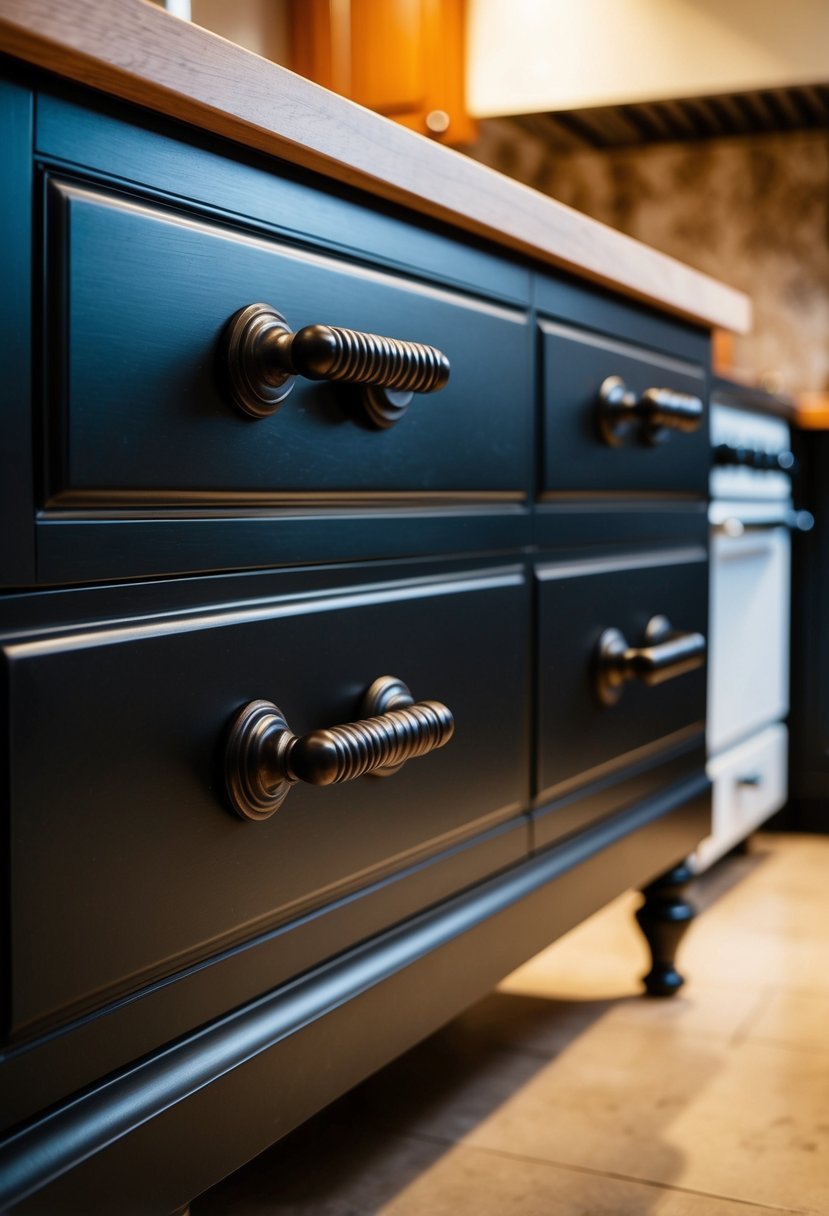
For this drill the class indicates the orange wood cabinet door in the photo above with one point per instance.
(402, 58)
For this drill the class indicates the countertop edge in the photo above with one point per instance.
(139, 53)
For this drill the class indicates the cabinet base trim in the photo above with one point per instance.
(497, 925)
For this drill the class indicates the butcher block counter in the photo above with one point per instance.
(355, 595)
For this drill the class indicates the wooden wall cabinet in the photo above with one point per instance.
(403, 58)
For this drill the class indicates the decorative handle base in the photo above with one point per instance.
(262, 357)
(264, 759)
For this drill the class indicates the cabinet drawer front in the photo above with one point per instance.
(578, 601)
(576, 457)
(140, 409)
(750, 784)
(128, 863)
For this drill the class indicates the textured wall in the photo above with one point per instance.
(750, 210)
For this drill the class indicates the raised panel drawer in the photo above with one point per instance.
(139, 409)
(128, 864)
(580, 737)
(577, 456)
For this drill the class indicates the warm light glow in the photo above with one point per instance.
(530, 56)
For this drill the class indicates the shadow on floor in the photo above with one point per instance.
(376, 1143)
(385, 1137)
(728, 873)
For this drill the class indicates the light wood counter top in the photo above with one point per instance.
(136, 51)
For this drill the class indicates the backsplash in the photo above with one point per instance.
(750, 210)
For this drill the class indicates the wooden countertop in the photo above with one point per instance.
(133, 50)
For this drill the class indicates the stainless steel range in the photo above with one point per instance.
(751, 516)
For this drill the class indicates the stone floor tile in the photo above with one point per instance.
(405, 1176)
(793, 1019)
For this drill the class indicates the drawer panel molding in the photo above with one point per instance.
(126, 823)
(581, 731)
(138, 410)
(589, 445)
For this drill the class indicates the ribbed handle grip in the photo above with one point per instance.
(325, 352)
(261, 357)
(666, 655)
(264, 759)
(343, 753)
(655, 412)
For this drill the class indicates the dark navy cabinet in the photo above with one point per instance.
(145, 292)
(179, 974)
(135, 772)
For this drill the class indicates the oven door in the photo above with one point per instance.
(748, 684)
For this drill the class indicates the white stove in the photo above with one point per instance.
(751, 515)
(752, 457)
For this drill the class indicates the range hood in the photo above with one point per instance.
(613, 72)
(799, 108)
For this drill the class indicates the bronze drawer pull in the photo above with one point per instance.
(263, 357)
(264, 759)
(655, 412)
(666, 655)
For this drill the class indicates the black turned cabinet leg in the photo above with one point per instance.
(663, 918)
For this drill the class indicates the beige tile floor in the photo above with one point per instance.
(564, 1093)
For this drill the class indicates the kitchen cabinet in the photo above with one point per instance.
(405, 59)
(208, 587)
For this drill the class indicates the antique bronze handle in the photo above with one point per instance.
(655, 412)
(264, 759)
(263, 357)
(667, 654)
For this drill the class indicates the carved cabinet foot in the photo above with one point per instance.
(664, 918)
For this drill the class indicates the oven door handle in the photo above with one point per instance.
(666, 655)
(795, 521)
